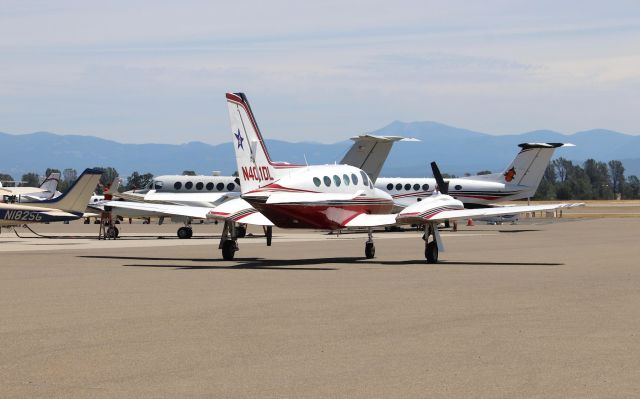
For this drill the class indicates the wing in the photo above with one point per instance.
(367, 220)
(239, 210)
(20, 190)
(197, 212)
(212, 198)
(420, 218)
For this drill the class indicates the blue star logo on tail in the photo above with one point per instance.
(240, 139)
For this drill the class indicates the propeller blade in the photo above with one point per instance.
(442, 185)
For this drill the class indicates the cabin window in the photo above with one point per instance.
(177, 185)
(425, 187)
(317, 181)
(209, 186)
(231, 186)
(188, 185)
(327, 181)
(407, 186)
(458, 187)
(199, 185)
(398, 186)
(337, 180)
(416, 187)
(157, 185)
(390, 186)
(354, 179)
(345, 177)
(220, 186)
(365, 179)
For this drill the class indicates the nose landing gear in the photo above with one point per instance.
(369, 246)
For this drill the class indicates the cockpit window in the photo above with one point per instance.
(337, 180)
(157, 185)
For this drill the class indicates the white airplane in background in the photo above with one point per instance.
(324, 197)
(47, 190)
(519, 180)
(68, 206)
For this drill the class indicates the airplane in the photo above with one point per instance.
(185, 198)
(68, 206)
(519, 180)
(325, 197)
(47, 190)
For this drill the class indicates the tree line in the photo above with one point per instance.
(593, 180)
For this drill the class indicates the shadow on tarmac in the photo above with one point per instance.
(296, 264)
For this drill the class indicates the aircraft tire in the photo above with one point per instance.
(431, 252)
(369, 250)
(241, 231)
(228, 250)
(183, 233)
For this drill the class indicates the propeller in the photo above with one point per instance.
(442, 185)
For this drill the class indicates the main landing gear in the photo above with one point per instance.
(229, 240)
(185, 232)
(431, 247)
(369, 247)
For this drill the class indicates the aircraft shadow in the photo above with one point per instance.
(297, 264)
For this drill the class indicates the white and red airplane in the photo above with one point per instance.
(325, 197)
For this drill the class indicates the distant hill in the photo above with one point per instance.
(456, 150)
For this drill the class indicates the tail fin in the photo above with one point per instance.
(529, 165)
(75, 200)
(369, 153)
(50, 184)
(255, 167)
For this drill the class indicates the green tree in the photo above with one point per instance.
(5, 177)
(50, 171)
(30, 180)
(632, 188)
(484, 172)
(598, 175)
(138, 181)
(617, 176)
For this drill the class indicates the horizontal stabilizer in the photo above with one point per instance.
(197, 212)
(367, 220)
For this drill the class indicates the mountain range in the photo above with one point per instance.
(456, 150)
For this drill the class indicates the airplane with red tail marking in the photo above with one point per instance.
(325, 197)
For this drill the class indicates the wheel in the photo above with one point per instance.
(228, 249)
(241, 231)
(111, 232)
(190, 232)
(116, 232)
(369, 250)
(431, 252)
(184, 232)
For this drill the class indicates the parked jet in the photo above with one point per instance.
(519, 180)
(68, 206)
(325, 197)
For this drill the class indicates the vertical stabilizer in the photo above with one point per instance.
(75, 200)
(50, 184)
(255, 168)
(369, 153)
(529, 165)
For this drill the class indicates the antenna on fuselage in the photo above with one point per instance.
(305, 159)
(442, 185)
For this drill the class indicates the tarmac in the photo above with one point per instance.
(538, 309)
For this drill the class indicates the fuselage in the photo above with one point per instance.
(17, 215)
(472, 192)
(319, 197)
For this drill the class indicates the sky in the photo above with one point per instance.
(140, 71)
